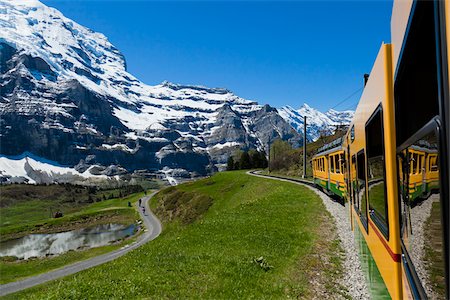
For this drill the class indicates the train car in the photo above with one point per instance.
(329, 169)
(397, 149)
(423, 178)
(370, 150)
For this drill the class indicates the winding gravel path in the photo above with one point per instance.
(353, 279)
(152, 231)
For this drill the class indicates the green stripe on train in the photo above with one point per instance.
(321, 182)
(335, 190)
(329, 186)
(375, 283)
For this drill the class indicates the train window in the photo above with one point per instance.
(343, 166)
(433, 163)
(422, 231)
(331, 163)
(337, 163)
(416, 77)
(419, 164)
(361, 181)
(413, 162)
(378, 209)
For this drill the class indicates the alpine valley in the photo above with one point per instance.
(69, 110)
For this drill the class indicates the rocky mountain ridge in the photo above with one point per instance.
(65, 95)
(318, 123)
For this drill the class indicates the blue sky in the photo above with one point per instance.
(280, 53)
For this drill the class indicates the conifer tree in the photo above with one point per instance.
(230, 164)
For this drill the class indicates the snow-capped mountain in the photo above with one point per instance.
(65, 95)
(317, 122)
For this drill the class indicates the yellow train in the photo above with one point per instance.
(394, 159)
(329, 169)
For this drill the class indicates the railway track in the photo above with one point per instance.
(302, 181)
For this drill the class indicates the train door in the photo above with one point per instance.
(354, 183)
(424, 175)
(362, 186)
(415, 174)
(328, 172)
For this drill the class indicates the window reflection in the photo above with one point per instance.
(422, 231)
(361, 182)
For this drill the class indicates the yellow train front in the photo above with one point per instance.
(397, 156)
(329, 169)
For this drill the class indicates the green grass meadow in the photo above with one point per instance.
(214, 232)
(108, 211)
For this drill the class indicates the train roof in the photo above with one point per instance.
(424, 146)
(333, 146)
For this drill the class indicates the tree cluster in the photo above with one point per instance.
(243, 160)
(288, 160)
(283, 156)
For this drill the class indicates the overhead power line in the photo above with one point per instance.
(347, 98)
(352, 106)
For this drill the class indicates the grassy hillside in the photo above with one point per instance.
(228, 236)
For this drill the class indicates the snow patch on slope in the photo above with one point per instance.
(35, 170)
(317, 122)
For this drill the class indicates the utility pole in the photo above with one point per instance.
(304, 147)
(268, 160)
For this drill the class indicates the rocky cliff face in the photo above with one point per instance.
(65, 95)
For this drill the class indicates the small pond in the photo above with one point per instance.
(40, 245)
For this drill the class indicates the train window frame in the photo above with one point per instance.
(433, 126)
(381, 222)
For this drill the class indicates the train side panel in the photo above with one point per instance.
(320, 171)
(337, 184)
(373, 184)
